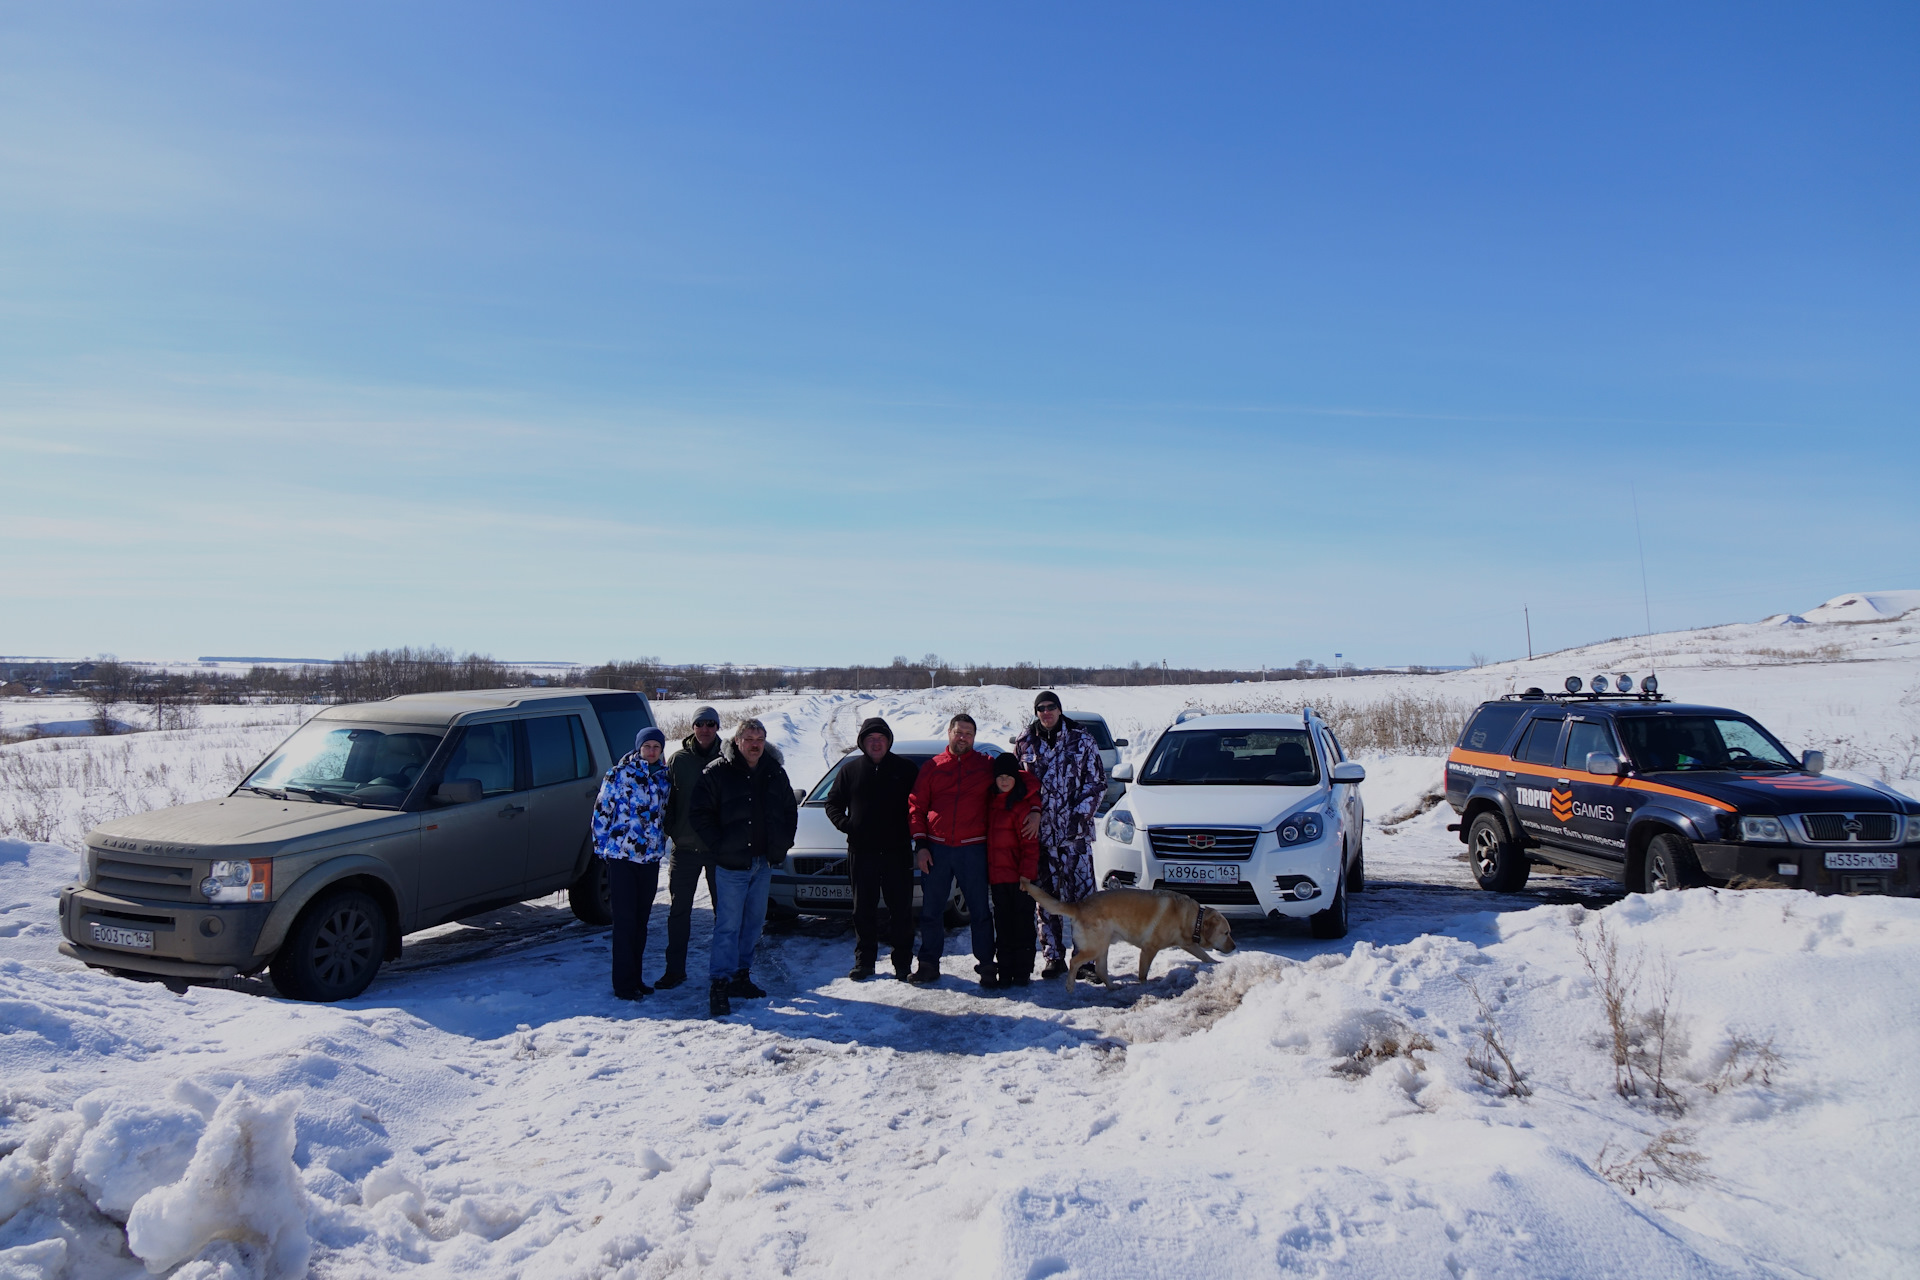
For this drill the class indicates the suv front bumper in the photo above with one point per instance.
(1759, 865)
(189, 940)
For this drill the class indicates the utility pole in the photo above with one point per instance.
(1528, 615)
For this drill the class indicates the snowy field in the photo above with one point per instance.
(1437, 1094)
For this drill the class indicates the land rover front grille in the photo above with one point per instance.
(1845, 828)
(162, 881)
(820, 866)
(1203, 842)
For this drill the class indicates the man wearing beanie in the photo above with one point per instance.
(1066, 759)
(690, 854)
(868, 801)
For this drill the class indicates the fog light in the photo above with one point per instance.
(1306, 889)
(210, 926)
(1788, 869)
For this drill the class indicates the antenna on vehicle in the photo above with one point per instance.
(1646, 600)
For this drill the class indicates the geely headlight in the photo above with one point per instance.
(1120, 826)
(1299, 828)
(1763, 830)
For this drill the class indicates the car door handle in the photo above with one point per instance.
(1509, 773)
(1563, 782)
(512, 809)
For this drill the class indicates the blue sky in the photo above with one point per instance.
(799, 333)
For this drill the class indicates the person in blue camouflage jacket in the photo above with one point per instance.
(1066, 759)
(629, 835)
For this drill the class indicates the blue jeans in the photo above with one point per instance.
(968, 865)
(739, 911)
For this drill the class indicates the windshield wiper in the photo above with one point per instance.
(316, 794)
(269, 792)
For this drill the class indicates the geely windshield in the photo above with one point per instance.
(363, 764)
(1660, 744)
(1233, 758)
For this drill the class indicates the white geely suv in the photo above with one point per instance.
(1249, 814)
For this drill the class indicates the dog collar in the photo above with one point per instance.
(1198, 916)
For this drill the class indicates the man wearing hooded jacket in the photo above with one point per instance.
(1066, 759)
(868, 801)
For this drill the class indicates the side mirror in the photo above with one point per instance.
(1602, 763)
(457, 791)
(1120, 742)
(1813, 761)
(1123, 772)
(799, 795)
(1348, 771)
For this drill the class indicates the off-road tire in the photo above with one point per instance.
(1669, 863)
(1332, 923)
(591, 896)
(1357, 871)
(334, 948)
(1499, 864)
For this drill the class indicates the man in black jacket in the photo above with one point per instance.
(868, 801)
(697, 750)
(745, 812)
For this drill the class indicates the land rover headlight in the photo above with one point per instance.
(1767, 830)
(1299, 828)
(239, 880)
(1120, 826)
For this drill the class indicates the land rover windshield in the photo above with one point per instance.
(1233, 758)
(1669, 743)
(328, 761)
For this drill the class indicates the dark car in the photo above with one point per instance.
(1659, 795)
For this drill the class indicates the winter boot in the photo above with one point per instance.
(903, 970)
(924, 976)
(862, 970)
(742, 988)
(671, 979)
(717, 1006)
(1054, 969)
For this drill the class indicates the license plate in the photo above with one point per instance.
(1838, 861)
(108, 935)
(1191, 873)
(823, 892)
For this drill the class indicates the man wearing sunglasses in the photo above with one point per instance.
(1066, 759)
(691, 857)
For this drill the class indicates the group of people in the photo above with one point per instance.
(726, 811)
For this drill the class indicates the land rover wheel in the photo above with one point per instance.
(334, 949)
(1332, 923)
(1669, 863)
(591, 897)
(1498, 863)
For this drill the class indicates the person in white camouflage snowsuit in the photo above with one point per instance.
(1066, 759)
(629, 835)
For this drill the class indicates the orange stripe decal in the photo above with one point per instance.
(1487, 760)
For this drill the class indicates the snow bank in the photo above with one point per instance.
(1865, 606)
(195, 1180)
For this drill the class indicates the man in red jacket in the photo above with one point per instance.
(947, 815)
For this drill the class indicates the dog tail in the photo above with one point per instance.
(1046, 900)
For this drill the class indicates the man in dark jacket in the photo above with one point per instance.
(868, 801)
(743, 808)
(697, 750)
(947, 814)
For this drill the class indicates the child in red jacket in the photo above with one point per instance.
(1010, 856)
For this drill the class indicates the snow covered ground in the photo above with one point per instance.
(1436, 1094)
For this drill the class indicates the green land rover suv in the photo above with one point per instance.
(372, 821)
